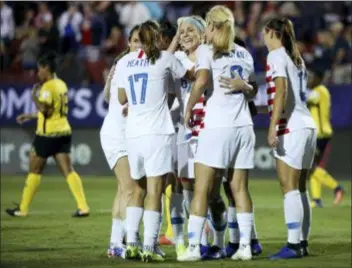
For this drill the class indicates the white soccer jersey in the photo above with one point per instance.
(146, 87)
(114, 122)
(226, 110)
(296, 114)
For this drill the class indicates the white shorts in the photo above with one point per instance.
(113, 148)
(226, 147)
(150, 155)
(297, 148)
(185, 159)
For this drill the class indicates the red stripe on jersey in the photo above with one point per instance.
(268, 79)
(140, 55)
(270, 102)
(195, 133)
(198, 122)
(199, 112)
(201, 100)
(271, 90)
(282, 121)
(282, 132)
(267, 67)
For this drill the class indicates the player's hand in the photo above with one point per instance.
(22, 118)
(188, 119)
(125, 110)
(273, 140)
(233, 85)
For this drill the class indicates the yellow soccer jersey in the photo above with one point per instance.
(54, 93)
(319, 104)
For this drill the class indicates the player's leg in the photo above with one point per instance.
(307, 212)
(217, 221)
(36, 166)
(41, 149)
(123, 196)
(63, 161)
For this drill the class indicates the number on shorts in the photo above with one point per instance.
(63, 104)
(236, 69)
(302, 75)
(135, 78)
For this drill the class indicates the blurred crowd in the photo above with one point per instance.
(88, 35)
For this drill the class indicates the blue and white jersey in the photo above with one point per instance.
(146, 87)
(224, 110)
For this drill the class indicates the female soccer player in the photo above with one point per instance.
(52, 138)
(292, 132)
(227, 140)
(319, 105)
(189, 36)
(113, 142)
(149, 131)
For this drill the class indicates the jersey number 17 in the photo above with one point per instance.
(135, 78)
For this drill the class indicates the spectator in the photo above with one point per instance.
(43, 14)
(7, 24)
(30, 50)
(28, 23)
(69, 27)
(93, 33)
(115, 44)
(323, 51)
(48, 36)
(132, 13)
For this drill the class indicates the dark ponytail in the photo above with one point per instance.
(283, 29)
(149, 34)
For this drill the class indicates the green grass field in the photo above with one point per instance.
(49, 237)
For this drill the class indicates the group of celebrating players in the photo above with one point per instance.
(180, 118)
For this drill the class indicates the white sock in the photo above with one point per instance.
(133, 218)
(195, 228)
(218, 226)
(188, 196)
(254, 234)
(245, 223)
(293, 216)
(117, 232)
(307, 216)
(177, 217)
(234, 233)
(151, 220)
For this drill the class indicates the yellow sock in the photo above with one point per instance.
(325, 178)
(168, 193)
(315, 187)
(29, 190)
(76, 187)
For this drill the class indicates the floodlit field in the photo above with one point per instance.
(49, 237)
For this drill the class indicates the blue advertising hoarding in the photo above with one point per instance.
(87, 107)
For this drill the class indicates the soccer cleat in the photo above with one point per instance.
(339, 195)
(214, 253)
(231, 249)
(192, 253)
(114, 251)
(148, 256)
(80, 214)
(286, 253)
(244, 253)
(304, 249)
(133, 253)
(203, 249)
(164, 240)
(316, 203)
(16, 212)
(256, 247)
(180, 249)
(159, 251)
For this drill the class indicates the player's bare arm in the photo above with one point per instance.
(202, 78)
(122, 96)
